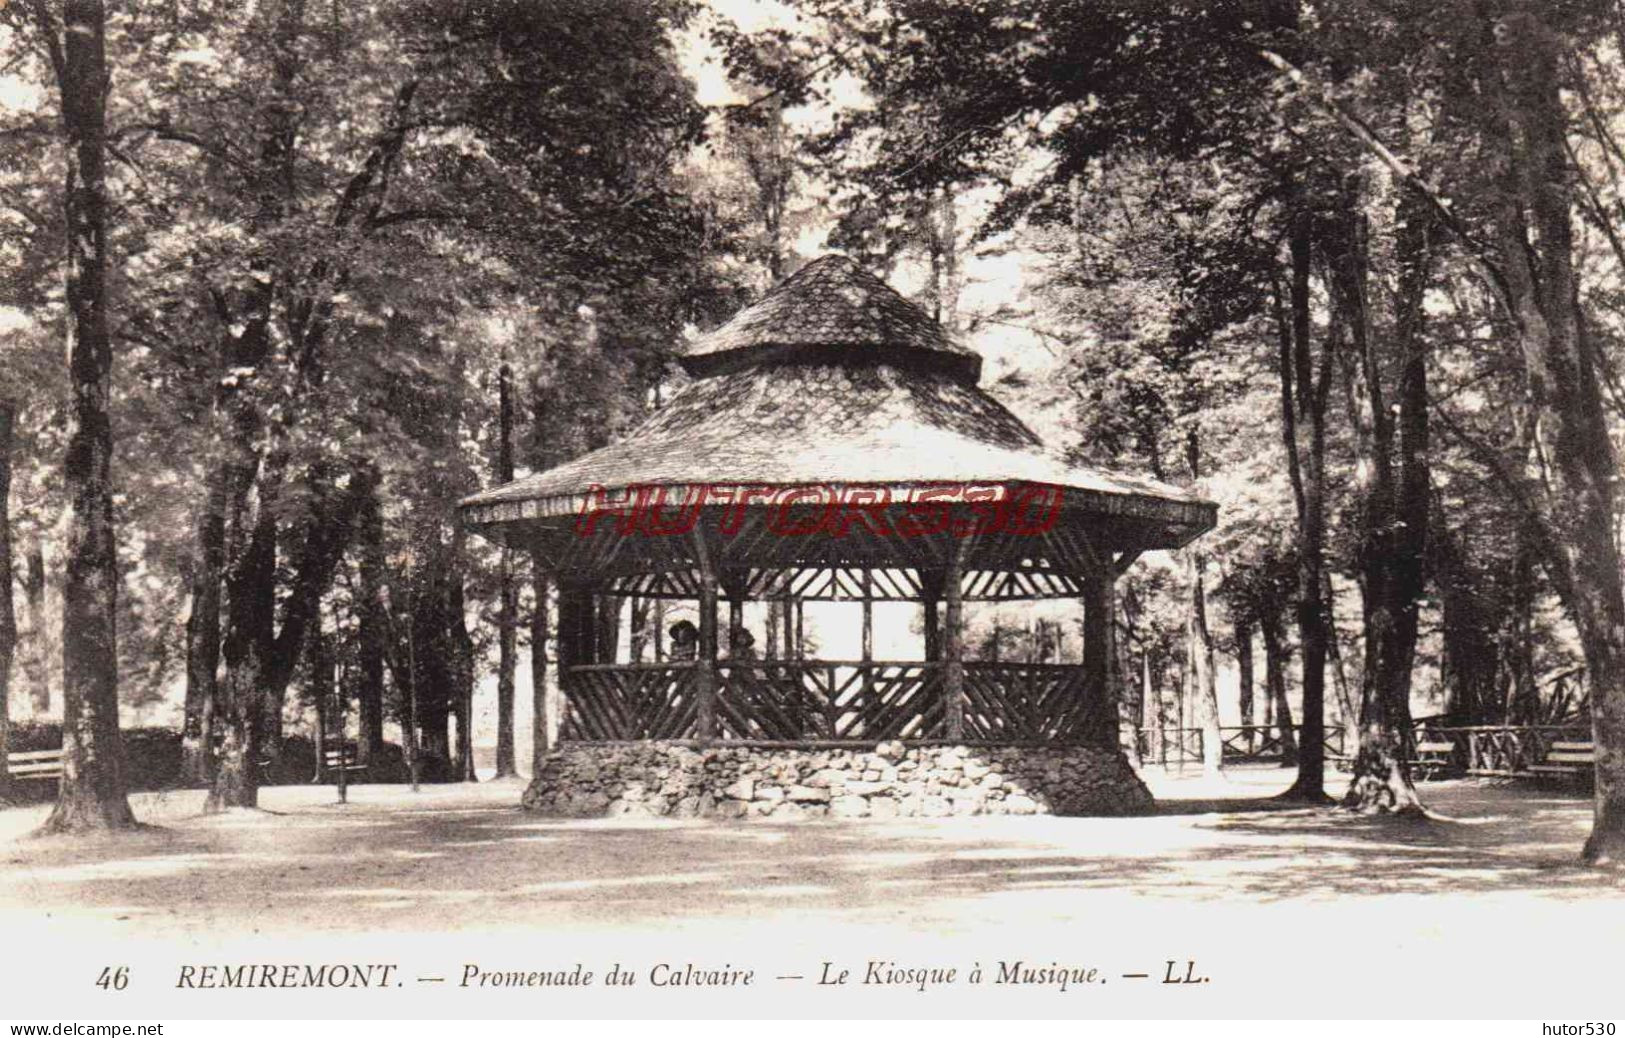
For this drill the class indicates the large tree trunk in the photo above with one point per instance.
(326, 696)
(1348, 710)
(1200, 647)
(1199, 644)
(1522, 703)
(507, 588)
(203, 639)
(1572, 428)
(462, 669)
(1275, 680)
(372, 631)
(1244, 677)
(247, 646)
(92, 789)
(1304, 391)
(252, 476)
(8, 614)
(433, 652)
(1394, 537)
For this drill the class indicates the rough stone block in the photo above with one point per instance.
(882, 807)
(849, 807)
(808, 794)
(864, 789)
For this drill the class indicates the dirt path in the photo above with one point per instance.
(454, 857)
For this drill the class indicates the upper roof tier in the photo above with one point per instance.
(831, 310)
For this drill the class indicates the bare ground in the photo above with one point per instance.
(455, 857)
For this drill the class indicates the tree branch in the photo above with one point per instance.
(1357, 128)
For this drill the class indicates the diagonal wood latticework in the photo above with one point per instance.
(852, 701)
(846, 584)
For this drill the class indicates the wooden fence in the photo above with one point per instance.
(1242, 743)
(1498, 749)
(1487, 750)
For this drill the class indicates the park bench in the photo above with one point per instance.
(345, 758)
(1568, 759)
(35, 764)
(1434, 757)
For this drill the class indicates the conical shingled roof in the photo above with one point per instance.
(805, 389)
(834, 310)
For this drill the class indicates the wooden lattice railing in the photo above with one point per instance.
(629, 701)
(829, 701)
(1025, 702)
(826, 701)
(1503, 749)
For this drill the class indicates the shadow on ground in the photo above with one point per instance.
(468, 858)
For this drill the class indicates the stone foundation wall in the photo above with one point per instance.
(890, 781)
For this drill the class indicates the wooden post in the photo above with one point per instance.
(660, 629)
(953, 645)
(787, 614)
(409, 720)
(733, 583)
(340, 705)
(931, 581)
(574, 633)
(538, 663)
(868, 641)
(705, 661)
(1101, 712)
(322, 724)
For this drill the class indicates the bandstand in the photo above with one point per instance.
(832, 446)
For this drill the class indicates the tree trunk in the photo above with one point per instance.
(325, 697)
(203, 639)
(1151, 714)
(1571, 431)
(411, 737)
(92, 789)
(539, 732)
(1304, 392)
(246, 649)
(1244, 674)
(8, 615)
(1395, 528)
(1523, 704)
(1134, 696)
(433, 653)
(1275, 679)
(372, 632)
(462, 644)
(641, 612)
(1200, 642)
(507, 589)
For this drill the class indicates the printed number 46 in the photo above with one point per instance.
(115, 979)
